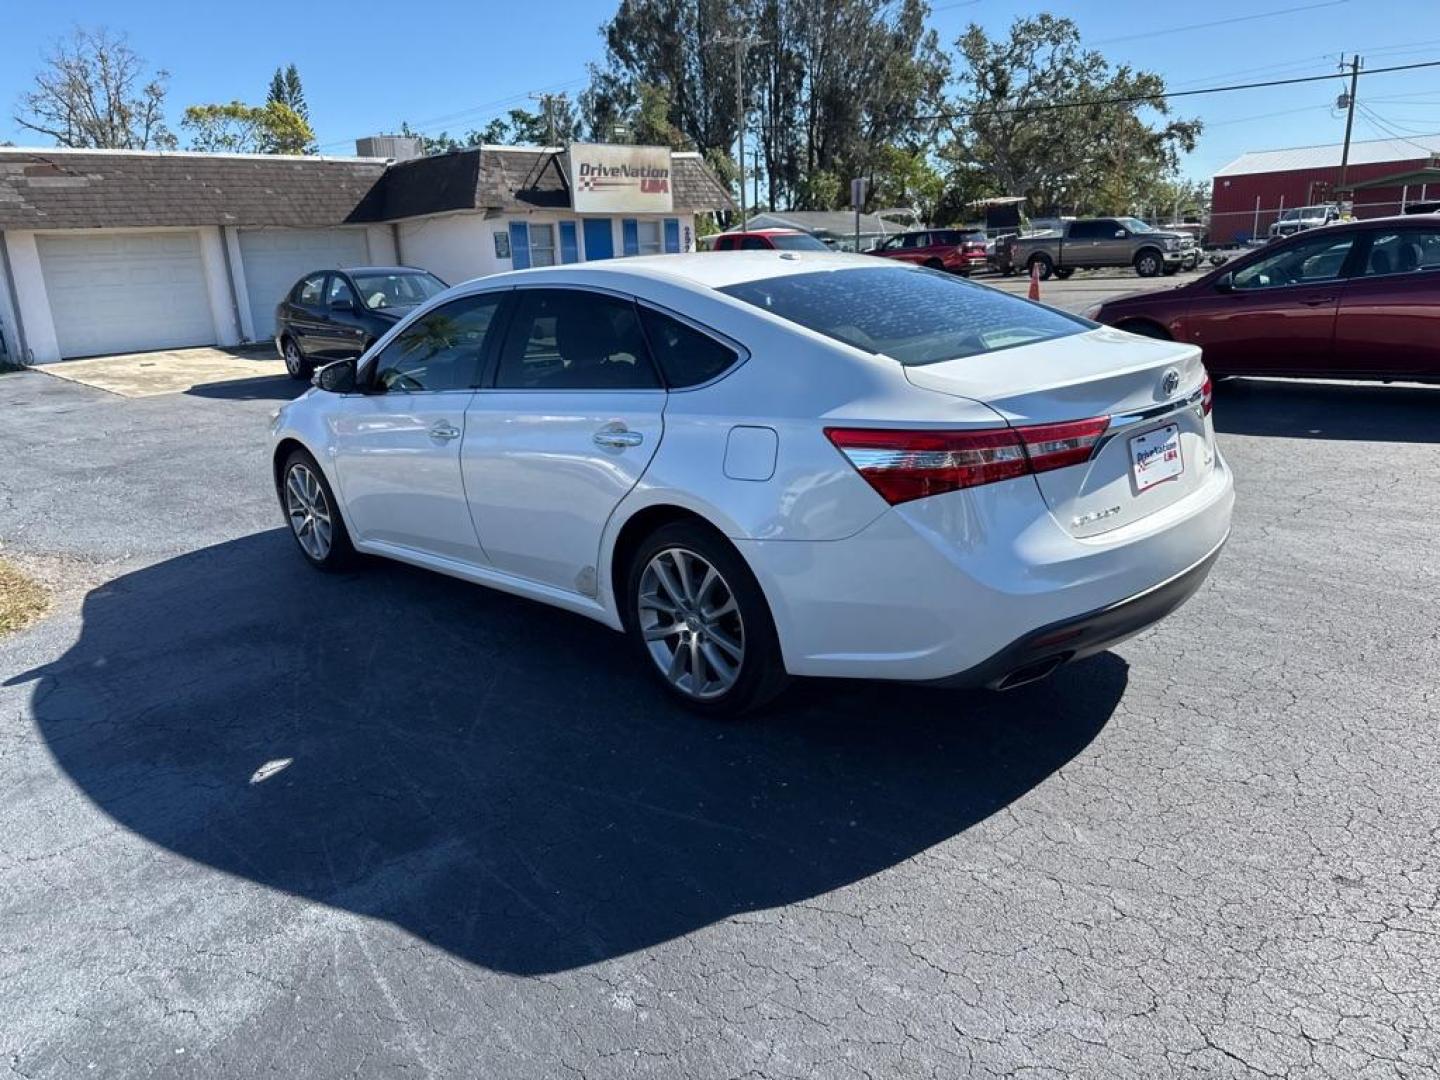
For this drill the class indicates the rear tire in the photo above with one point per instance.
(1046, 266)
(700, 623)
(296, 366)
(314, 515)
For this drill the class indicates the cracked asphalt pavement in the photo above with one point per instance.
(255, 820)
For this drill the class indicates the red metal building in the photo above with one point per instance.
(1252, 191)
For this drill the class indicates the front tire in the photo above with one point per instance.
(700, 622)
(296, 366)
(1149, 264)
(314, 515)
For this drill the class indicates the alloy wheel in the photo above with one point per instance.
(309, 512)
(293, 363)
(691, 623)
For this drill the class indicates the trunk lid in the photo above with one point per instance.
(1144, 386)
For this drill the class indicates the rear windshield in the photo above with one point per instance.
(916, 316)
(796, 242)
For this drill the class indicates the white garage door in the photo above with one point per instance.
(275, 259)
(126, 292)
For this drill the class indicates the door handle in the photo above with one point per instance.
(444, 431)
(1318, 301)
(617, 438)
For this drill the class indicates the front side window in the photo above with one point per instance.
(569, 339)
(685, 355)
(339, 291)
(309, 291)
(1316, 258)
(1404, 251)
(914, 316)
(442, 350)
(542, 245)
(648, 235)
(397, 290)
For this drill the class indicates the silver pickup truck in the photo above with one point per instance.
(1090, 243)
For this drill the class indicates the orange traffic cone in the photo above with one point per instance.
(1035, 280)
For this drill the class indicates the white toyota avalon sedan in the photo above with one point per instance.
(768, 464)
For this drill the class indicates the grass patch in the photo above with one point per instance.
(22, 600)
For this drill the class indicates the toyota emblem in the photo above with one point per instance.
(1169, 383)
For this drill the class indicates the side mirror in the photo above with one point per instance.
(342, 304)
(1121, 234)
(336, 378)
(1225, 283)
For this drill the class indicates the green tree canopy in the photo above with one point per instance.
(1099, 157)
(272, 128)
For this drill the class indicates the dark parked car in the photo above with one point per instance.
(956, 250)
(335, 314)
(1359, 300)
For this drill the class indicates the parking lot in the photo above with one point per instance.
(259, 820)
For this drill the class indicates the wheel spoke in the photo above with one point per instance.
(666, 580)
(660, 633)
(724, 609)
(711, 576)
(724, 670)
(677, 666)
(682, 567)
(726, 642)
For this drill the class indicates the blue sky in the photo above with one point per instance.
(367, 66)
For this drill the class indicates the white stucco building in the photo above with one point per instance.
(123, 251)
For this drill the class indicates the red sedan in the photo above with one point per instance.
(955, 250)
(1353, 301)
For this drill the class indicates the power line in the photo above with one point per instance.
(1220, 22)
(1141, 99)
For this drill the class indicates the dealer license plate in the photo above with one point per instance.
(1155, 456)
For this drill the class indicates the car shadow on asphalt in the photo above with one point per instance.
(499, 778)
(265, 388)
(1321, 410)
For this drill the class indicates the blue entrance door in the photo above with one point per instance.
(599, 241)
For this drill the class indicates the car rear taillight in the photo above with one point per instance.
(1207, 395)
(914, 464)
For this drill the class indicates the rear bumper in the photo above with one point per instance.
(939, 588)
(1040, 652)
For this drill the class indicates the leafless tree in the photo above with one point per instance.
(93, 94)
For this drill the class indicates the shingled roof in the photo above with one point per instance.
(43, 189)
(116, 188)
(515, 178)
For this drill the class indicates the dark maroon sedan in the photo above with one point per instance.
(1353, 301)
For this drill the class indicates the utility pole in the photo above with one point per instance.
(546, 103)
(743, 43)
(1355, 65)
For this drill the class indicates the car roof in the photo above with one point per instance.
(707, 270)
(775, 231)
(383, 270)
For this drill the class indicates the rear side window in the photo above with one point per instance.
(569, 339)
(725, 243)
(915, 316)
(686, 356)
(754, 243)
